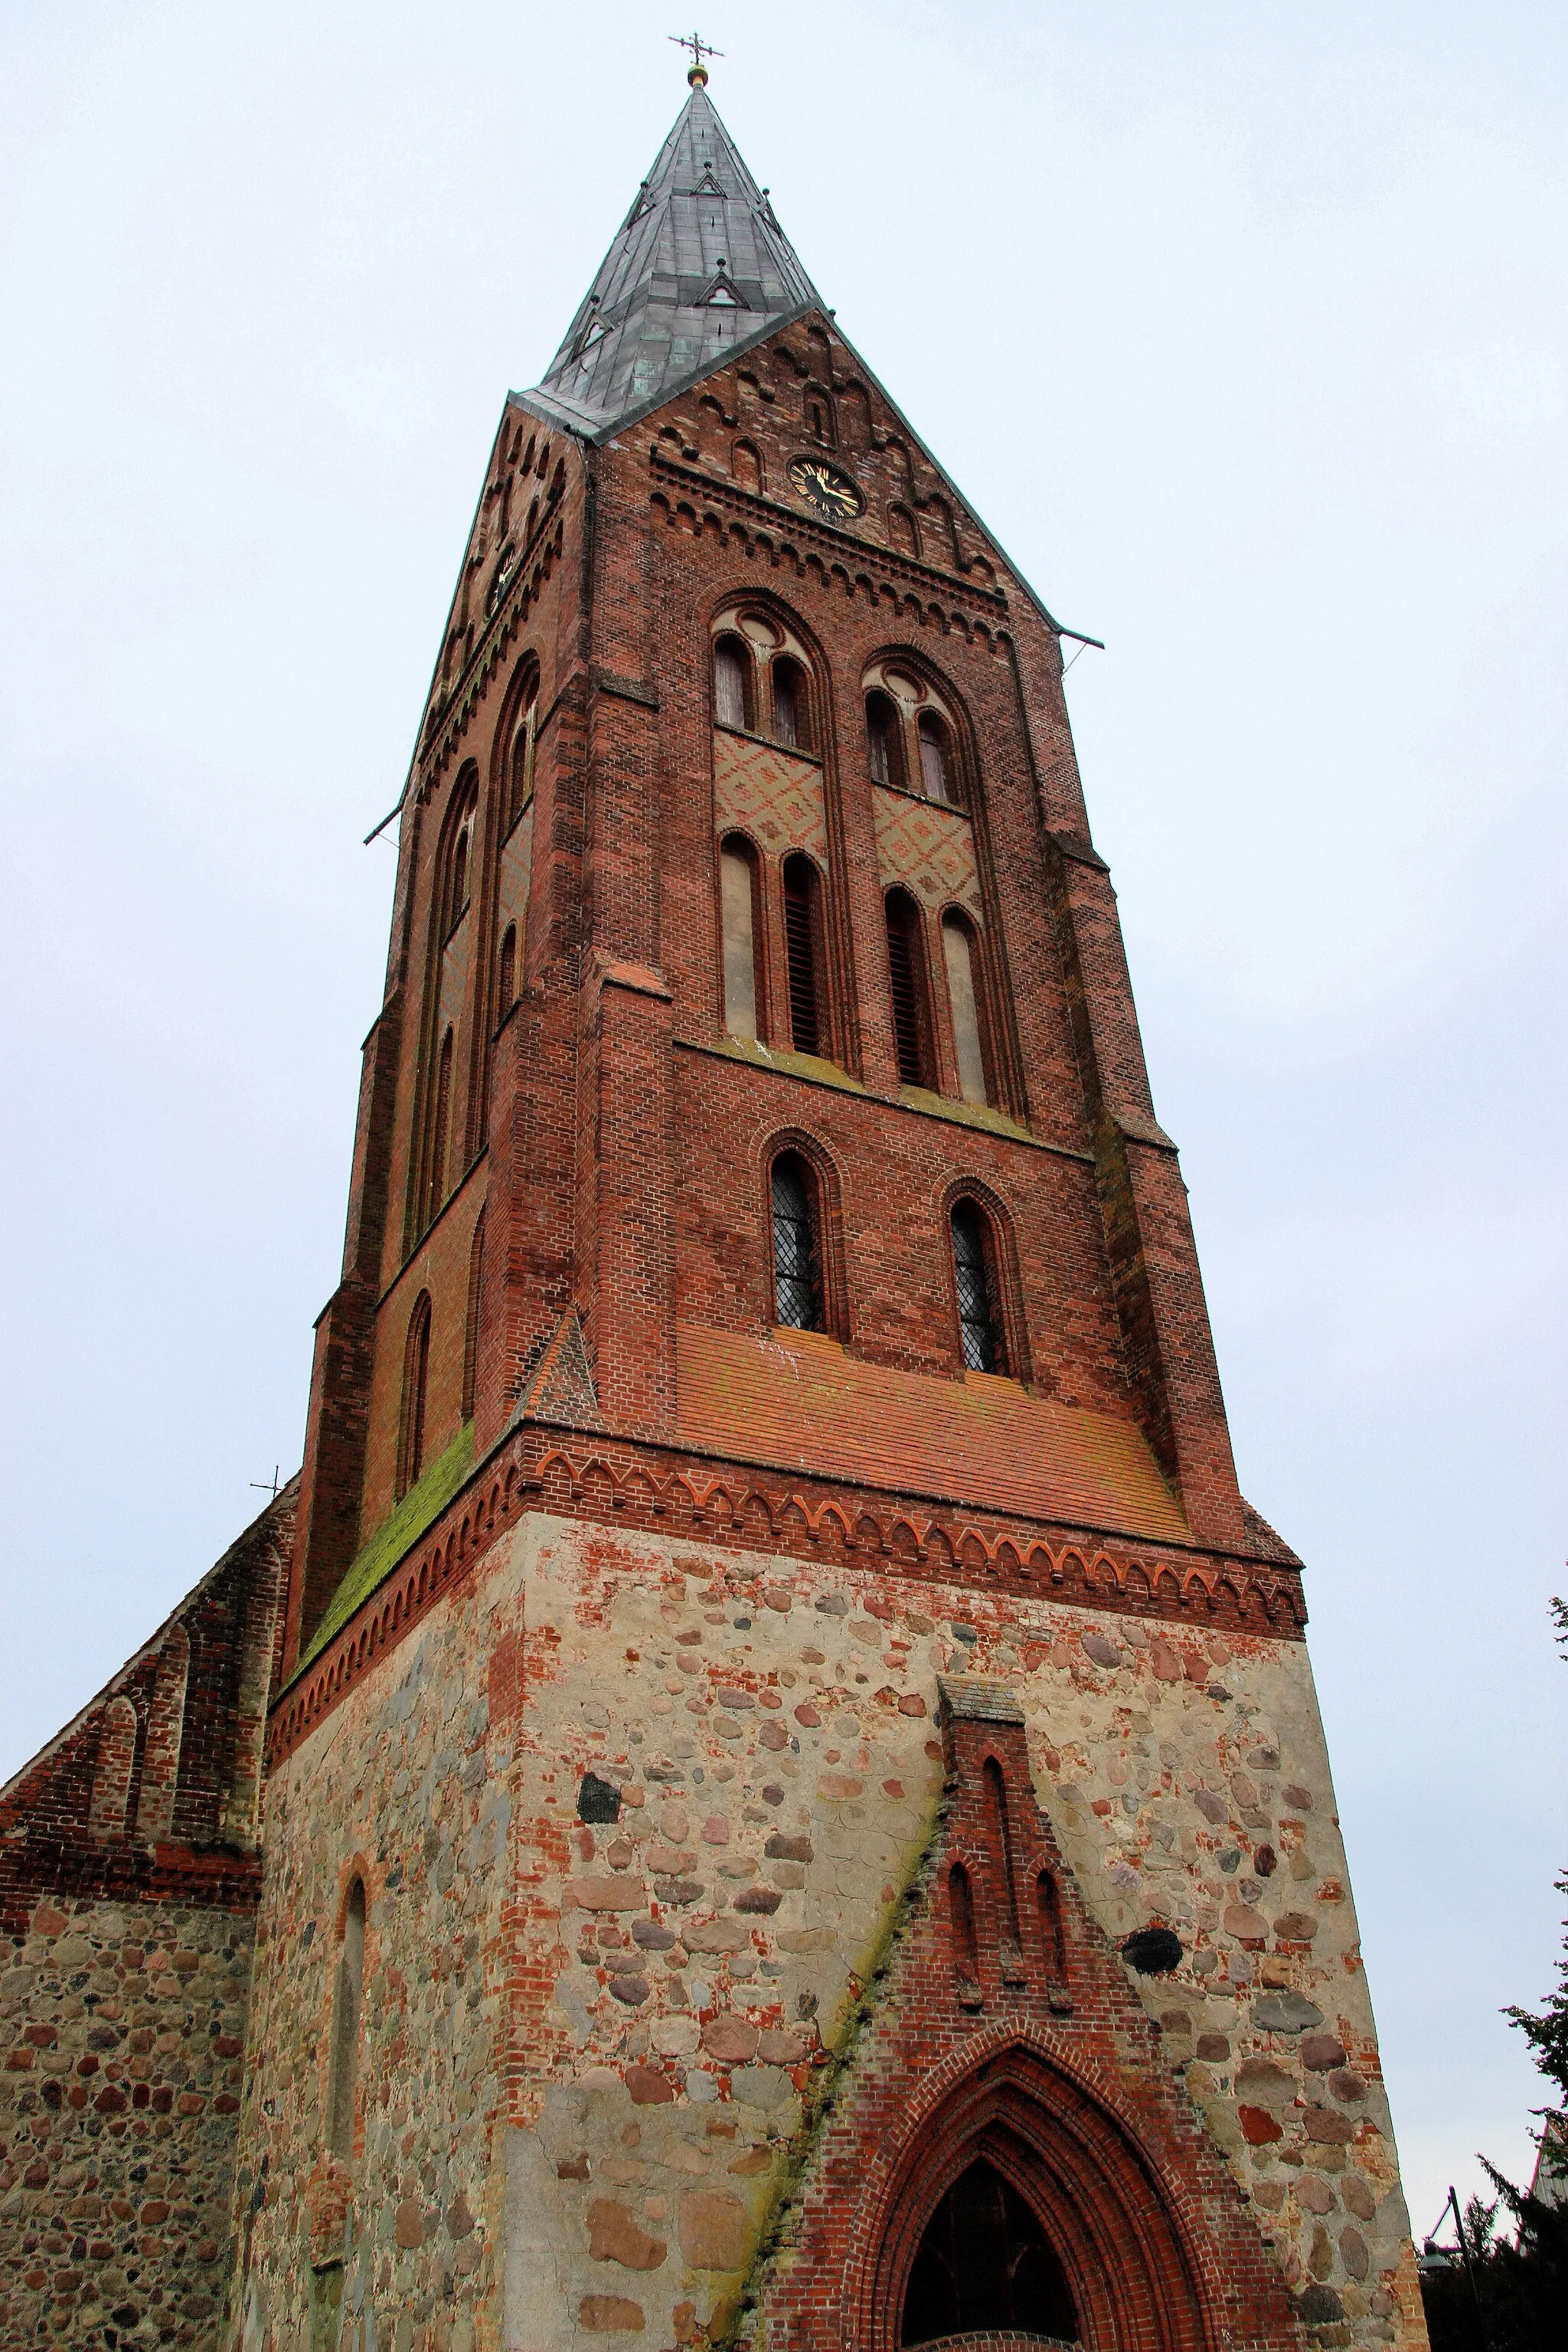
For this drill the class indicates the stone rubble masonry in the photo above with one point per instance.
(596, 2043)
(129, 1879)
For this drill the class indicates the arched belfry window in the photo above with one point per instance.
(974, 1270)
(965, 996)
(348, 2002)
(885, 739)
(436, 1189)
(731, 683)
(935, 758)
(738, 895)
(802, 951)
(792, 718)
(797, 1246)
(914, 733)
(415, 1382)
(986, 2266)
(910, 995)
(520, 759)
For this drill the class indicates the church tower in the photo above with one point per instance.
(793, 1810)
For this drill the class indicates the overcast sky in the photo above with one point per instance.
(1246, 329)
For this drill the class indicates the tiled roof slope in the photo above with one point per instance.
(798, 1402)
(699, 268)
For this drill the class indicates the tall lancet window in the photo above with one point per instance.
(738, 900)
(959, 950)
(348, 1999)
(731, 676)
(797, 1259)
(971, 1264)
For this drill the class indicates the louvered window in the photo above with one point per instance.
(800, 947)
(797, 1284)
(905, 957)
(977, 1309)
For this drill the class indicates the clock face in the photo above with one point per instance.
(824, 487)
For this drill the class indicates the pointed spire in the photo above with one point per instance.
(699, 268)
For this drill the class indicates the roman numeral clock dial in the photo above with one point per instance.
(827, 489)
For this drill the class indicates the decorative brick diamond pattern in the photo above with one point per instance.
(930, 850)
(773, 794)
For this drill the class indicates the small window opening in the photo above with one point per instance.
(347, 2004)
(821, 423)
(976, 1301)
(789, 703)
(885, 737)
(737, 891)
(506, 986)
(802, 925)
(985, 2266)
(935, 761)
(906, 962)
(730, 671)
(797, 1271)
(958, 951)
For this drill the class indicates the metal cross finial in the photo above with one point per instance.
(699, 49)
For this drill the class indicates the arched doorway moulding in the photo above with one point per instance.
(1128, 2234)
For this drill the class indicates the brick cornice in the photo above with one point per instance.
(838, 544)
(668, 1489)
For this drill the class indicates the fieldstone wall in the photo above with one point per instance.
(589, 2042)
(122, 2027)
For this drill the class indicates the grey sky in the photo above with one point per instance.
(1247, 330)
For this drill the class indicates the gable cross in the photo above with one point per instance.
(699, 49)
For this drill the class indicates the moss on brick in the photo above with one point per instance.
(395, 1538)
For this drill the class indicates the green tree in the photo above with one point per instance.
(1520, 2284)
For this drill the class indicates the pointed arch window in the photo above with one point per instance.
(797, 1251)
(790, 705)
(936, 758)
(348, 2001)
(885, 739)
(731, 683)
(907, 977)
(739, 926)
(961, 951)
(436, 1189)
(974, 1265)
(520, 762)
(802, 950)
(506, 973)
(415, 1381)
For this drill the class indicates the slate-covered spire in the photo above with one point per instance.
(699, 268)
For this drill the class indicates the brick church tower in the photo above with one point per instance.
(763, 1786)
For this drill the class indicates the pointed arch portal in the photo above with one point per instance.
(1020, 2209)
